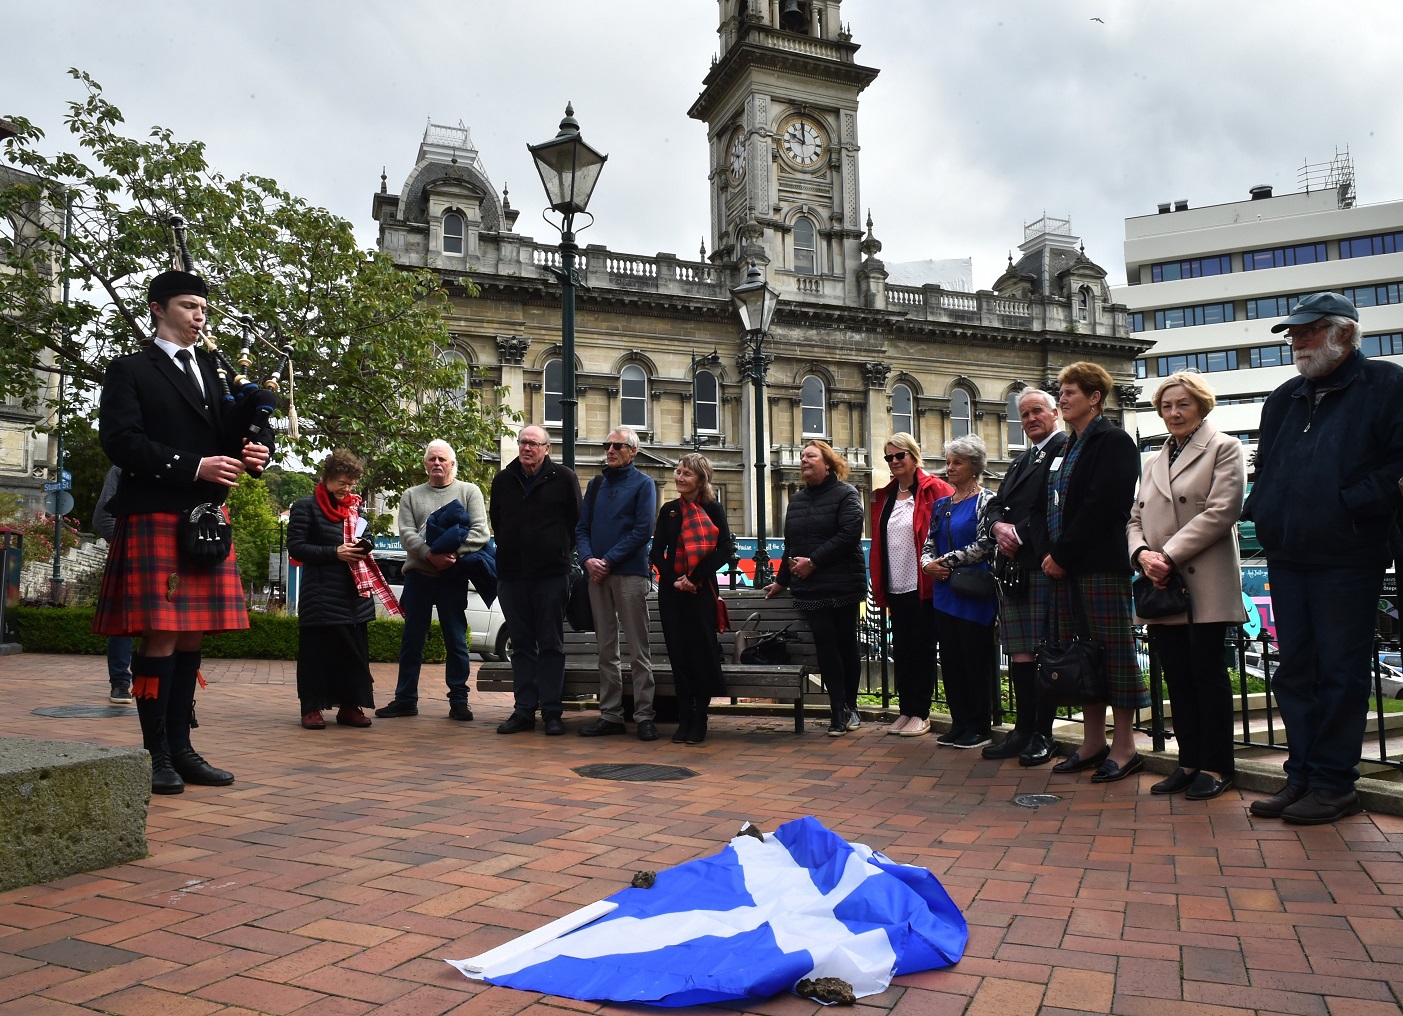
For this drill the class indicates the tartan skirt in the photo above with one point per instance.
(1105, 598)
(1021, 617)
(146, 586)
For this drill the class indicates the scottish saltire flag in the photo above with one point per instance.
(748, 922)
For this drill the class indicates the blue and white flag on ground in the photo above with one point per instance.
(748, 922)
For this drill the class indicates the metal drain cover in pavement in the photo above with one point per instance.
(639, 773)
(1035, 800)
(70, 712)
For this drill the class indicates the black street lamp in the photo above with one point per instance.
(569, 170)
(755, 301)
(710, 359)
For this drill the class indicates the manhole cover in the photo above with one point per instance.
(635, 773)
(1035, 800)
(69, 712)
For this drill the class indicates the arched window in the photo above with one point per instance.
(902, 419)
(633, 391)
(1016, 437)
(805, 248)
(553, 382)
(959, 413)
(453, 233)
(707, 396)
(814, 408)
(1084, 305)
(457, 359)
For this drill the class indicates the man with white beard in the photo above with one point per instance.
(1325, 501)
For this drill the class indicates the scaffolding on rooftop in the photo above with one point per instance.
(1337, 175)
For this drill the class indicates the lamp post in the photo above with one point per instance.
(709, 359)
(569, 169)
(755, 301)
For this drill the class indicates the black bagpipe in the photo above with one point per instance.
(253, 404)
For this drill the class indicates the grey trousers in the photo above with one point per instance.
(622, 601)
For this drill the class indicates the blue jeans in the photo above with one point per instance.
(119, 660)
(421, 594)
(534, 610)
(1325, 626)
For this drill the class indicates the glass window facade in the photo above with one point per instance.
(633, 396)
(1282, 257)
(1388, 344)
(1270, 356)
(1137, 321)
(1271, 306)
(959, 413)
(814, 407)
(1375, 296)
(708, 402)
(805, 249)
(453, 233)
(902, 417)
(1367, 246)
(1016, 437)
(1204, 363)
(553, 385)
(1185, 317)
(1195, 268)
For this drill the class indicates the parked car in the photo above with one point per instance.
(487, 629)
(1391, 675)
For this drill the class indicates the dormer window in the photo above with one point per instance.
(453, 233)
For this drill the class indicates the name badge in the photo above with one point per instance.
(1056, 464)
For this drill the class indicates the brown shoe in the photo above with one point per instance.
(351, 716)
(313, 720)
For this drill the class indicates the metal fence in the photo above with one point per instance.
(1253, 661)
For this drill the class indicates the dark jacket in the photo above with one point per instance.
(535, 527)
(1328, 460)
(669, 529)
(153, 425)
(1022, 500)
(929, 489)
(1099, 498)
(824, 524)
(327, 594)
(616, 518)
(104, 524)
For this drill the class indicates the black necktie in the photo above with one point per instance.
(187, 364)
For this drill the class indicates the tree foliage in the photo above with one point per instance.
(255, 529)
(366, 336)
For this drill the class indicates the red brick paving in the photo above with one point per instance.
(341, 868)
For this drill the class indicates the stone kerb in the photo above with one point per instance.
(68, 807)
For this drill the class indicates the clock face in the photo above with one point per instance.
(803, 142)
(738, 155)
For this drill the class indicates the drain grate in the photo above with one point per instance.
(638, 773)
(1035, 800)
(70, 712)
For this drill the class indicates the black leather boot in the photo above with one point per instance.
(151, 681)
(180, 717)
(685, 708)
(696, 734)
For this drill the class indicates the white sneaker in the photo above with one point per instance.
(854, 720)
(901, 723)
(916, 728)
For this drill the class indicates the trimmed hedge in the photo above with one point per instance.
(268, 637)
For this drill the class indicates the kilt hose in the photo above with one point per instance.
(1105, 598)
(146, 587)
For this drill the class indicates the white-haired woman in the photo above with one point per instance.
(964, 625)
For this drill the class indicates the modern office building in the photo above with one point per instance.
(1207, 284)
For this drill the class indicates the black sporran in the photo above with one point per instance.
(1153, 602)
(1010, 576)
(204, 536)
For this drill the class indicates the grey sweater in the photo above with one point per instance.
(418, 503)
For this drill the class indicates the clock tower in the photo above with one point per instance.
(780, 104)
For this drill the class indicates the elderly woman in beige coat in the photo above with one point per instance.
(1185, 521)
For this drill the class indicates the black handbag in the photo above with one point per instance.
(969, 581)
(771, 648)
(1071, 673)
(204, 536)
(578, 610)
(1152, 602)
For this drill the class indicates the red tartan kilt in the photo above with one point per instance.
(137, 595)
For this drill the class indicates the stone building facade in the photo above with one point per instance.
(854, 359)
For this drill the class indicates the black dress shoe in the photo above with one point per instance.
(397, 708)
(1176, 783)
(554, 726)
(1074, 763)
(1110, 772)
(602, 728)
(193, 769)
(1011, 746)
(1041, 750)
(647, 731)
(1272, 807)
(1321, 806)
(164, 779)
(458, 711)
(1205, 787)
(516, 723)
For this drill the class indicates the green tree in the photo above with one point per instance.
(255, 529)
(365, 336)
(294, 487)
(84, 458)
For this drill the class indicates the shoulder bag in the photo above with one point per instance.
(970, 581)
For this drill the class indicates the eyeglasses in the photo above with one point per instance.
(341, 484)
(1307, 332)
(617, 446)
(894, 457)
(532, 444)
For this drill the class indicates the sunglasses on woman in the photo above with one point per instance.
(894, 457)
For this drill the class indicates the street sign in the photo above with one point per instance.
(58, 502)
(67, 479)
(52, 485)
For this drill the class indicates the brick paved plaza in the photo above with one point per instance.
(344, 864)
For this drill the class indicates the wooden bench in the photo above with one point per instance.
(786, 682)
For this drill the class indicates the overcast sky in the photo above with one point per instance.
(985, 115)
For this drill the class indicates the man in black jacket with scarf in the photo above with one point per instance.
(534, 506)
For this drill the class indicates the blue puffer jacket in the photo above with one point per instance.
(616, 519)
(1328, 462)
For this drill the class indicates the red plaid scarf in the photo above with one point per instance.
(365, 571)
(697, 539)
